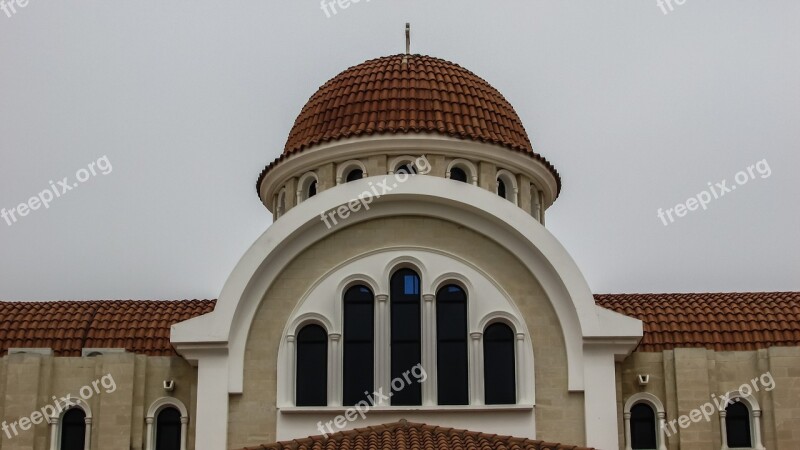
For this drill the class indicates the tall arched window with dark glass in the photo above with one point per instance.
(359, 331)
(499, 379)
(737, 425)
(168, 429)
(643, 427)
(406, 348)
(451, 350)
(73, 429)
(312, 366)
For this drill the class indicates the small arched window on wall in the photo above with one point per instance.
(73, 430)
(354, 174)
(406, 331)
(737, 426)
(643, 427)
(359, 349)
(507, 186)
(451, 346)
(312, 366)
(167, 425)
(499, 365)
(458, 174)
(168, 429)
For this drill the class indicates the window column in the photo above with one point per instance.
(476, 370)
(382, 353)
(429, 350)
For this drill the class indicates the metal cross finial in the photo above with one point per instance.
(408, 38)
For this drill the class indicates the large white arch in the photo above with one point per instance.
(593, 336)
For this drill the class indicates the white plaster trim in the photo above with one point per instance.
(582, 322)
(304, 183)
(55, 423)
(754, 412)
(416, 143)
(660, 416)
(343, 169)
(467, 166)
(398, 161)
(512, 189)
(323, 301)
(152, 413)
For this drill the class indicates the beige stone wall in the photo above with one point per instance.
(559, 414)
(29, 381)
(685, 379)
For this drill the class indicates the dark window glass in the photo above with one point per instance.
(498, 365)
(407, 169)
(168, 429)
(451, 350)
(406, 334)
(458, 174)
(643, 427)
(359, 359)
(312, 366)
(501, 188)
(355, 174)
(737, 425)
(73, 429)
(312, 189)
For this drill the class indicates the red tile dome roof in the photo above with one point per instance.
(403, 94)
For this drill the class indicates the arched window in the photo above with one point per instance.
(499, 365)
(73, 430)
(312, 366)
(406, 348)
(737, 426)
(643, 427)
(359, 354)
(167, 425)
(451, 346)
(407, 168)
(312, 189)
(168, 429)
(355, 174)
(501, 188)
(458, 174)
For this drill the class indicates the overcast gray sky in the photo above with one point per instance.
(188, 100)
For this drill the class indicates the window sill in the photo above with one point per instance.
(390, 409)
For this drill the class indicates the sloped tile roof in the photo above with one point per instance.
(716, 321)
(421, 95)
(69, 326)
(404, 435)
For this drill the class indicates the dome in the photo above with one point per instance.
(404, 94)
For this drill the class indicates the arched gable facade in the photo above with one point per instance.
(592, 337)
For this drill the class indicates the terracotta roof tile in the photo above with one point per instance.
(716, 321)
(423, 95)
(404, 435)
(67, 327)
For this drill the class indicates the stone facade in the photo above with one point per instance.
(559, 413)
(29, 381)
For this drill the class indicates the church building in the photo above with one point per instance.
(408, 295)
